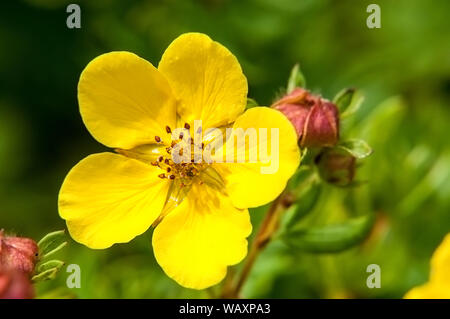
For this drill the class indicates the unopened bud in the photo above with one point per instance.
(336, 166)
(15, 284)
(315, 119)
(17, 253)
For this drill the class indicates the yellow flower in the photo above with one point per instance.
(200, 210)
(438, 286)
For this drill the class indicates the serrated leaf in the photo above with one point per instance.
(356, 147)
(330, 238)
(343, 99)
(296, 79)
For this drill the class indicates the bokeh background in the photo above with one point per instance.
(402, 68)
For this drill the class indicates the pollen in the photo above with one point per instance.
(186, 171)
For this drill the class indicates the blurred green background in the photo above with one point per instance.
(402, 68)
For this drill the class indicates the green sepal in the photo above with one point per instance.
(296, 79)
(356, 147)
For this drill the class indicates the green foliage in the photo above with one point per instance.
(358, 148)
(329, 238)
(343, 99)
(296, 79)
(49, 245)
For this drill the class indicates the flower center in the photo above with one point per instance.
(188, 168)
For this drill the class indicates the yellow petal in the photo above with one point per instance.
(206, 79)
(251, 184)
(430, 290)
(125, 101)
(440, 262)
(108, 198)
(196, 242)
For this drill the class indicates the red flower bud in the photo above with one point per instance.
(17, 253)
(336, 166)
(15, 284)
(315, 119)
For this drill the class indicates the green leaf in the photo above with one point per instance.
(343, 99)
(50, 242)
(46, 275)
(296, 79)
(348, 101)
(251, 103)
(305, 200)
(329, 238)
(357, 148)
(49, 265)
(53, 251)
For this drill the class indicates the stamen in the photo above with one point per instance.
(162, 175)
(160, 159)
(168, 169)
(157, 139)
(155, 163)
(168, 130)
(166, 161)
(187, 126)
(181, 136)
(172, 176)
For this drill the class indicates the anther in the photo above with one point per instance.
(172, 176)
(168, 149)
(181, 136)
(168, 130)
(187, 126)
(155, 163)
(168, 169)
(160, 159)
(166, 161)
(162, 175)
(157, 139)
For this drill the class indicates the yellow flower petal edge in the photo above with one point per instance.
(438, 287)
(108, 198)
(196, 242)
(246, 183)
(429, 290)
(440, 262)
(206, 79)
(125, 101)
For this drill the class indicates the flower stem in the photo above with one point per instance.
(268, 227)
